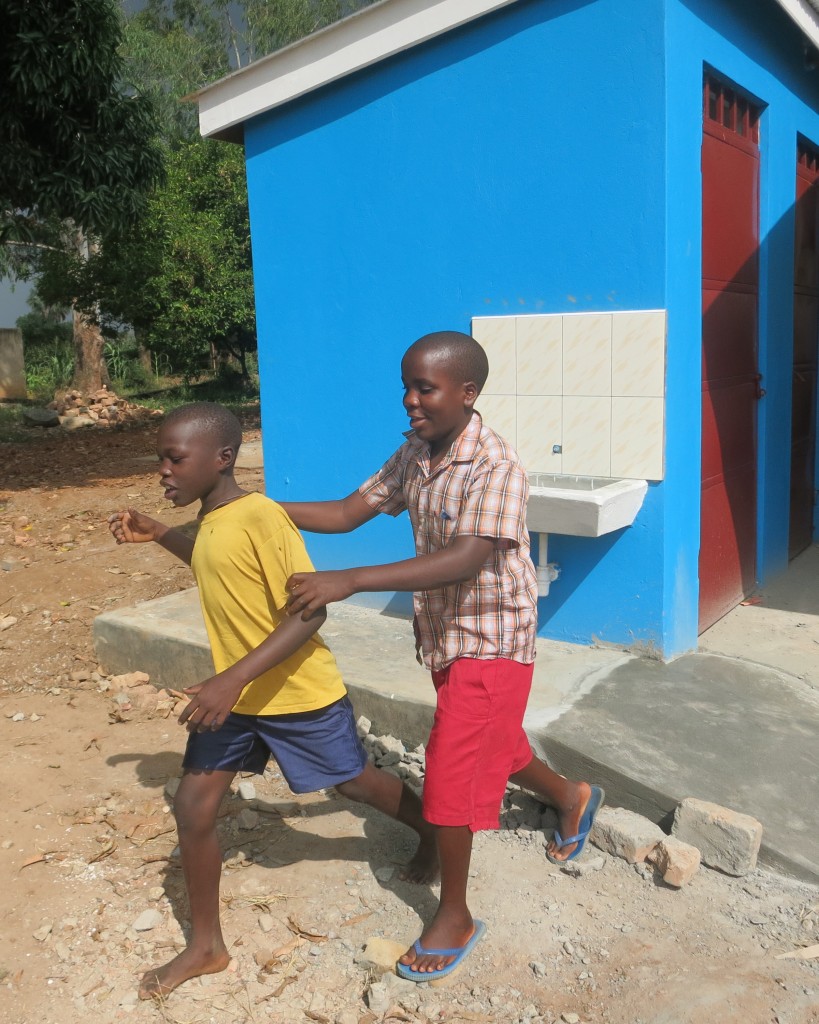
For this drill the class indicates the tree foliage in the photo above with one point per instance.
(78, 142)
(174, 265)
(182, 277)
(80, 145)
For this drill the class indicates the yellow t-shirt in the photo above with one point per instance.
(243, 555)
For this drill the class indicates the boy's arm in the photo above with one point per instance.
(213, 699)
(456, 563)
(340, 516)
(132, 527)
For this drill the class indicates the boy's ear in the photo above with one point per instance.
(227, 456)
(470, 393)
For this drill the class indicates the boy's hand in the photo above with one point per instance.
(132, 527)
(310, 591)
(211, 703)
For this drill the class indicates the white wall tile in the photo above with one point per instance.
(638, 353)
(586, 436)
(551, 381)
(637, 438)
(499, 413)
(540, 427)
(496, 335)
(587, 354)
(540, 355)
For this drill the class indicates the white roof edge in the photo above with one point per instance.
(364, 38)
(806, 15)
(356, 42)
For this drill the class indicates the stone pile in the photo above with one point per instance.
(104, 408)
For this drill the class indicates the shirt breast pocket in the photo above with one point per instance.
(443, 526)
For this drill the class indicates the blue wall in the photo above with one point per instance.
(503, 168)
(543, 159)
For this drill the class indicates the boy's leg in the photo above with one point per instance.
(452, 926)
(463, 788)
(195, 807)
(569, 799)
(389, 795)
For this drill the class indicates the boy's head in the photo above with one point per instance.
(458, 355)
(443, 374)
(197, 446)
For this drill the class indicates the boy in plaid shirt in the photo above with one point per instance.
(475, 596)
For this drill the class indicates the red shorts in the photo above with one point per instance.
(477, 740)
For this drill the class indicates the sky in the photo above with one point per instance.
(13, 301)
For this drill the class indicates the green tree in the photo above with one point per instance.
(180, 274)
(79, 149)
(182, 278)
(233, 33)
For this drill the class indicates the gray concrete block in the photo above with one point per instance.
(726, 839)
(625, 834)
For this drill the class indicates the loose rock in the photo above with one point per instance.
(147, 920)
(676, 861)
(726, 839)
(625, 834)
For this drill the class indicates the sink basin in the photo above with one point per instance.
(583, 506)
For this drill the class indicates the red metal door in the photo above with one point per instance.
(805, 334)
(730, 379)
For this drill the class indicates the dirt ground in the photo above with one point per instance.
(87, 842)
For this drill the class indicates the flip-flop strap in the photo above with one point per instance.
(419, 949)
(561, 842)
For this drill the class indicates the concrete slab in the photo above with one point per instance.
(166, 638)
(779, 625)
(724, 729)
(728, 731)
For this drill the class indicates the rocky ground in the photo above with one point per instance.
(93, 891)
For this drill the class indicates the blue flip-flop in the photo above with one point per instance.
(596, 800)
(460, 953)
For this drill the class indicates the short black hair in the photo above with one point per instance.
(462, 356)
(212, 419)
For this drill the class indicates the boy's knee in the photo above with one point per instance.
(360, 788)
(352, 790)
(194, 810)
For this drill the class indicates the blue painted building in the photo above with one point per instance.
(558, 177)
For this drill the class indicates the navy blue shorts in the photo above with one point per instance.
(313, 749)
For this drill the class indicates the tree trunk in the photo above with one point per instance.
(90, 371)
(144, 356)
(90, 368)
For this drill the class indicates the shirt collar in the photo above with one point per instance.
(462, 449)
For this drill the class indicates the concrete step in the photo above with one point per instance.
(722, 729)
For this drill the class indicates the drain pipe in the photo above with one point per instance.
(547, 572)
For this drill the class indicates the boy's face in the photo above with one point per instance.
(438, 406)
(190, 462)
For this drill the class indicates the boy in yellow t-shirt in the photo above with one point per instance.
(277, 690)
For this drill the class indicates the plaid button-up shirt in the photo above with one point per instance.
(479, 489)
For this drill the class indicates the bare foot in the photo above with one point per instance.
(569, 818)
(446, 931)
(161, 981)
(423, 868)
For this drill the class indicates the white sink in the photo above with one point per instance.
(583, 506)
